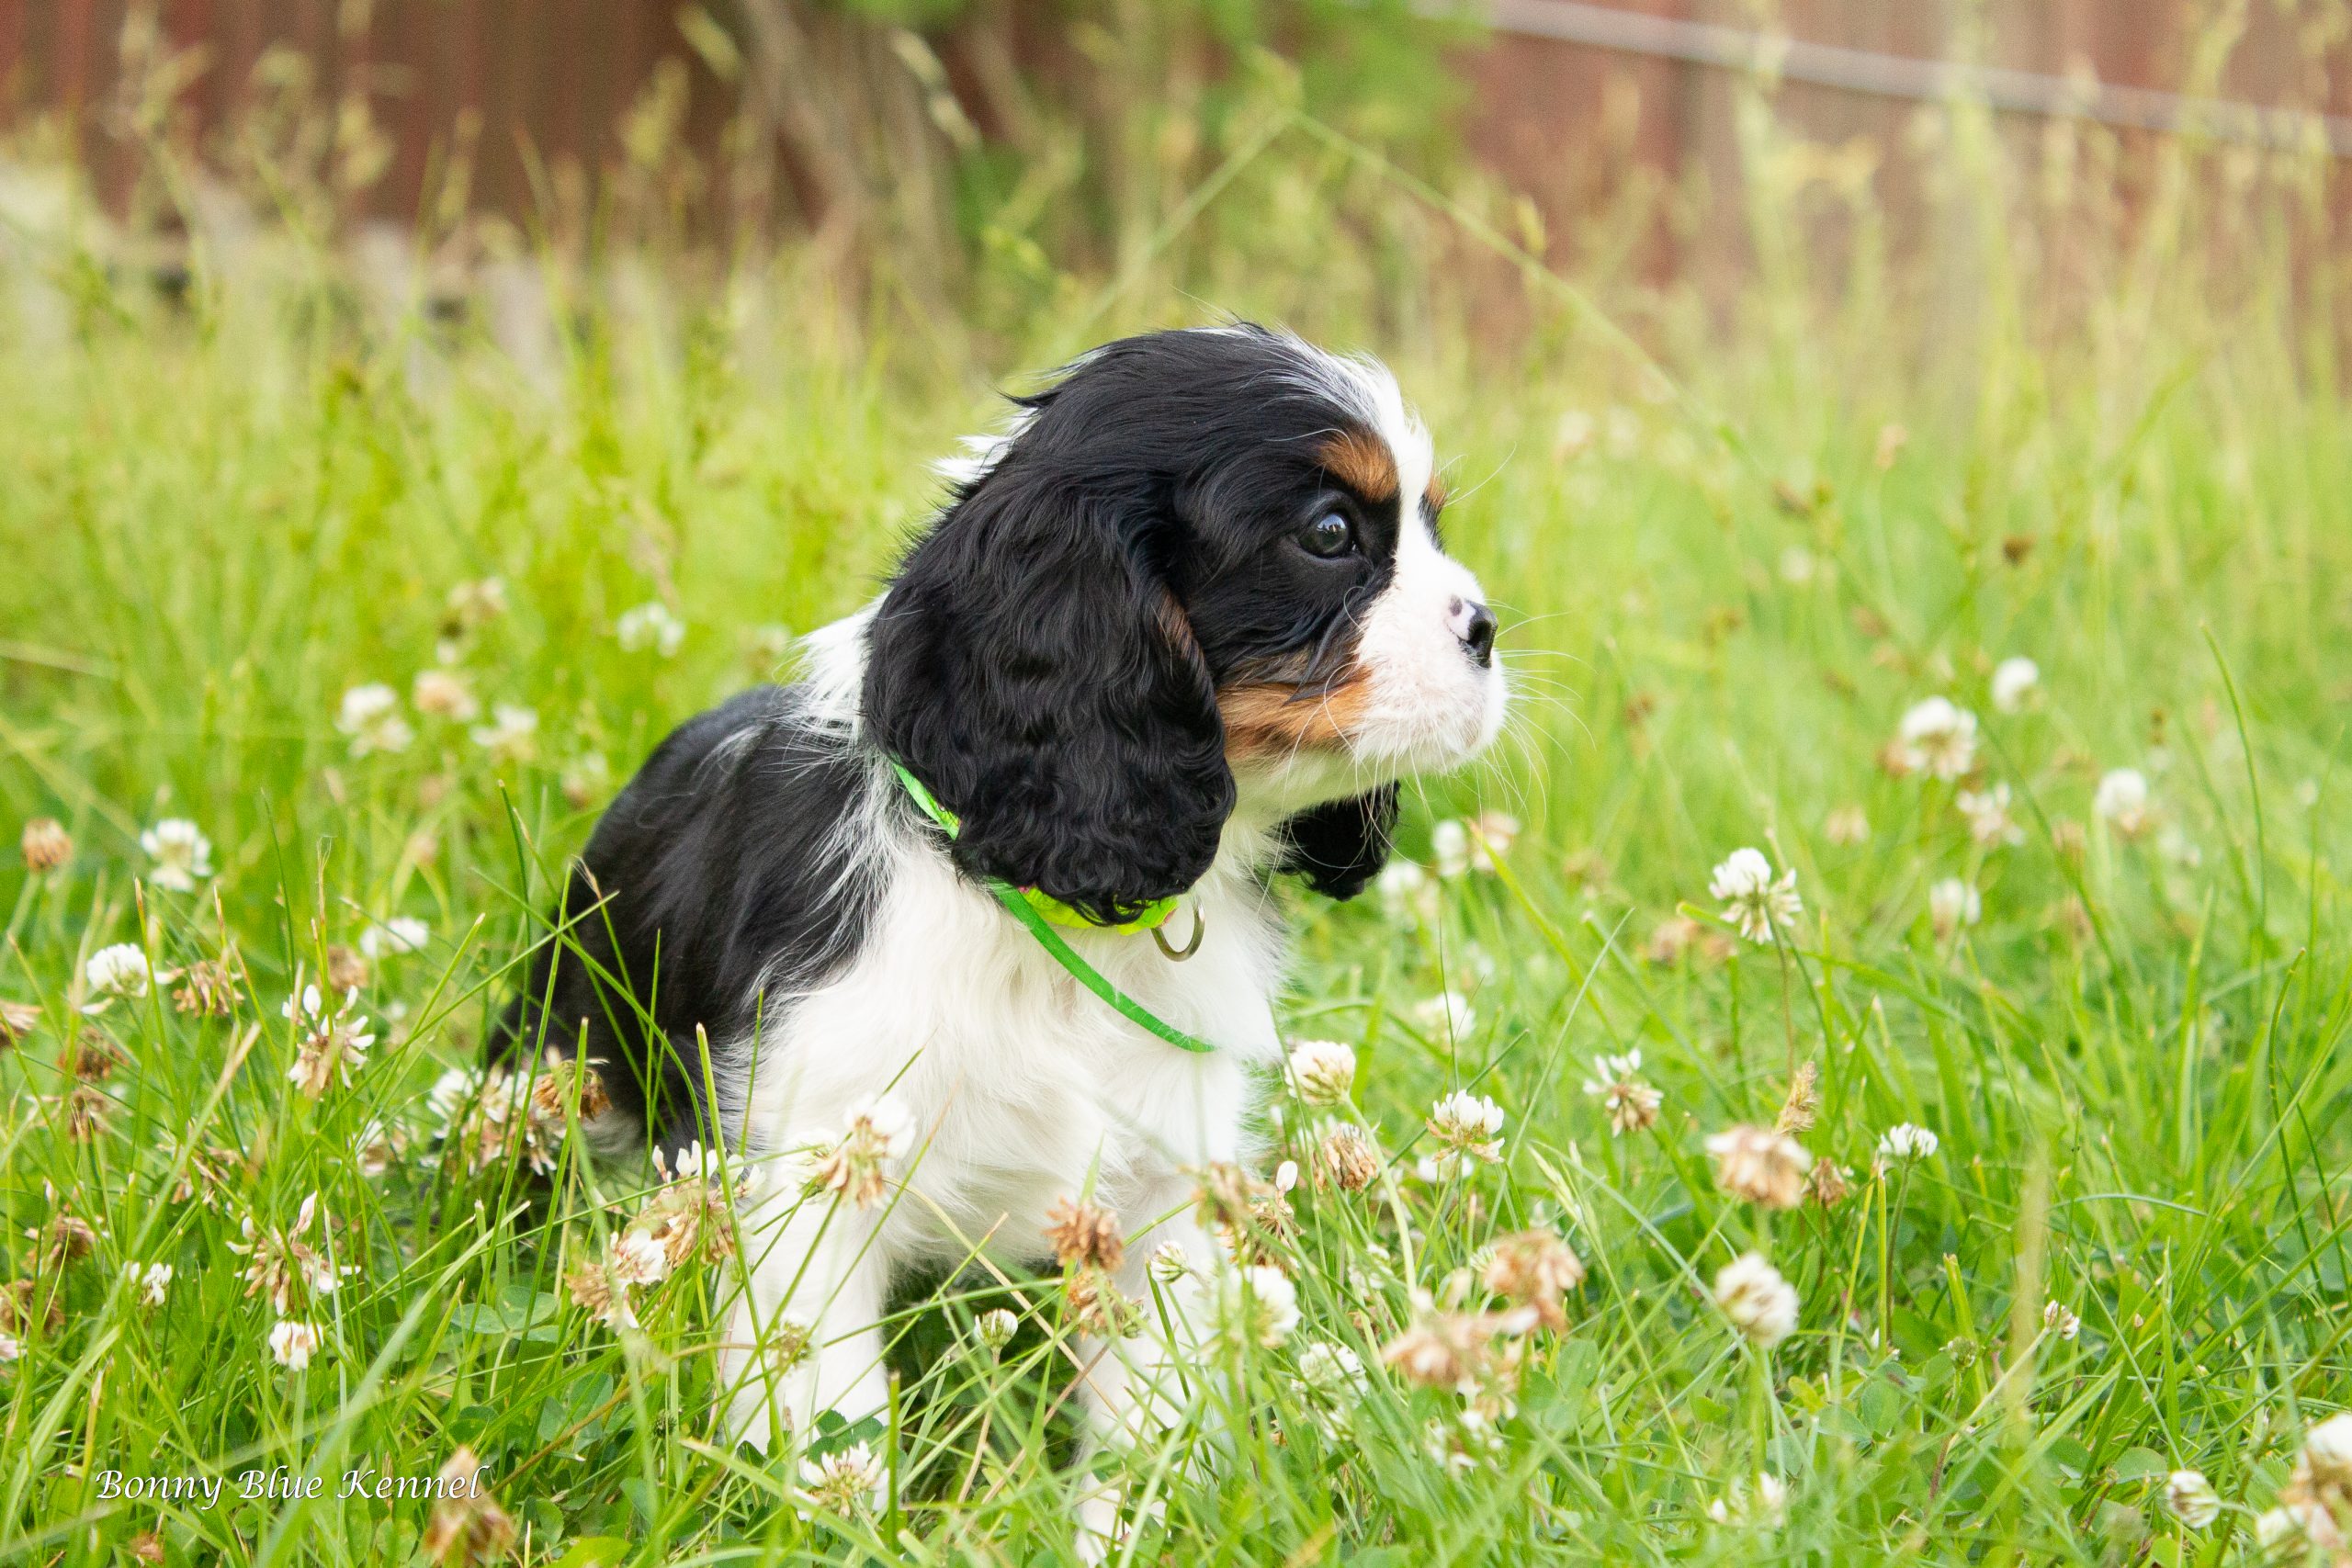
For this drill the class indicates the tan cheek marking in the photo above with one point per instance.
(1363, 463)
(1269, 719)
(1435, 495)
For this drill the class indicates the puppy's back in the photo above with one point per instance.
(726, 876)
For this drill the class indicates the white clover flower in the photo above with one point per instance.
(2305, 1523)
(2014, 680)
(1937, 737)
(370, 715)
(994, 1329)
(2061, 1320)
(694, 1161)
(1759, 1304)
(2122, 801)
(1759, 1165)
(1332, 1371)
(1752, 900)
(1759, 1502)
(846, 1480)
(2190, 1498)
(1498, 829)
(1630, 1102)
(512, 735)
(651, 625)
(1322, 1071)
(479, 603)
(1251, 1305)
(451, 1092)
(1170, 1262)
(153, 1281)
(1905, 1141)
(183, 856)
(587, 779)
(2327, 1449)
(445, 694)
(118, 971)
(1448, 1013)
(1952, 904)
(638, 1258)
(1846, 826)
(402, 934)
(1403, 889)
(876, 1134)
(335, 1043)
(293, 1343)
(1468, 1125)
(1450, 847)
(1988, 812)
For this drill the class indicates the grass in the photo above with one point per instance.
(217, 521)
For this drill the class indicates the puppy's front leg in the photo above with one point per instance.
(1137, 1387)
(801, 1339)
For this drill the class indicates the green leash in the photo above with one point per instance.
(1022, 906)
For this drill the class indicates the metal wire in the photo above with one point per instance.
(1924, 81)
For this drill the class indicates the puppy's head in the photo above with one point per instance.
(1198, 555)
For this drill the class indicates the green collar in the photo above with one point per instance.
(1040, 912)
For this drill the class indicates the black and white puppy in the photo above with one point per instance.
(1180, 632)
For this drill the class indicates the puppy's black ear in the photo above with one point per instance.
(1030, 666)
(1340, 845)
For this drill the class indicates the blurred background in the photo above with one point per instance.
(981, 171)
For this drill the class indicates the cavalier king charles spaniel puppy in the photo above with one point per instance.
(1176, 635)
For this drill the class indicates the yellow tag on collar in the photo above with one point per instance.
(1155, 914)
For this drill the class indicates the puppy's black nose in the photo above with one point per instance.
(1475, 624)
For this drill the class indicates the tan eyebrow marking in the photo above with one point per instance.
(1363, 463)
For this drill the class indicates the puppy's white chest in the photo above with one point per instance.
(1024, 1088)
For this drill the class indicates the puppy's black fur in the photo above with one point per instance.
(718, 876)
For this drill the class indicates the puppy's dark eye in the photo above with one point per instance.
(1328, 535)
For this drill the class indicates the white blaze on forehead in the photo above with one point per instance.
(1364, 388)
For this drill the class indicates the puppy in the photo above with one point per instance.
(1176, 635)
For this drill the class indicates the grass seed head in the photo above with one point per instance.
(1802, 1103)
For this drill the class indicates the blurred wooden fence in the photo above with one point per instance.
(541, 87)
